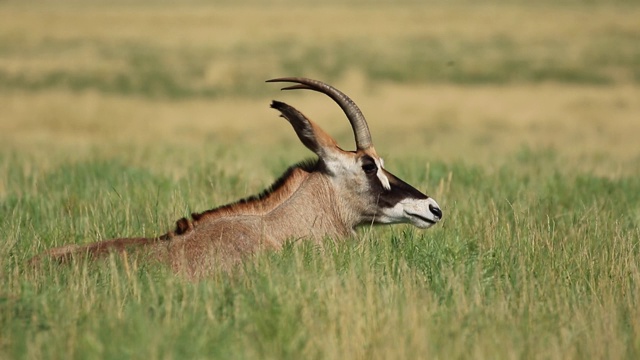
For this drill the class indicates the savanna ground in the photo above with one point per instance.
(523, 121)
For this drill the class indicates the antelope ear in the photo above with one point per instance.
(311, 135)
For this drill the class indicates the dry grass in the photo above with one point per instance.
(591, 128)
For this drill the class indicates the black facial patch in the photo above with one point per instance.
(399, 191)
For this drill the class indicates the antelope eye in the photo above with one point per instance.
(370, 168)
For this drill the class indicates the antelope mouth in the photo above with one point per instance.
(427, 220)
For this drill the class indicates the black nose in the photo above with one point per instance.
(436, 211)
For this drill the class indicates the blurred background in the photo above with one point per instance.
(482, 82)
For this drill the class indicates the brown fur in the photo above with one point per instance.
(312, 200)
(219, 238)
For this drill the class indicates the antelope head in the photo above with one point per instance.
(368, 193)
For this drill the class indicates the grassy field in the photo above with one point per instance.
(522, 121)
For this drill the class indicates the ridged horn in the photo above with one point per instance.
(355, 116)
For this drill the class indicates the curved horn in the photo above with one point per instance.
(355, 116)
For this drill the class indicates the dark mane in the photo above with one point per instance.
(309, 165)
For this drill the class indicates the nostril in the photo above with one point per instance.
(436, 211)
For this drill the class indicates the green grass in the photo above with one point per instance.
(178, 71)
(524, 265)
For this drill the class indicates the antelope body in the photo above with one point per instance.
(328, 197)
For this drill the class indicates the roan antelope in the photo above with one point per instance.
(327, 197)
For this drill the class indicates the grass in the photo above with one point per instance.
(548, 269)
(120, 118)
(136, 68)
(212, 56)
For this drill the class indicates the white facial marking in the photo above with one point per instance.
(414, 211)
(384, 180)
